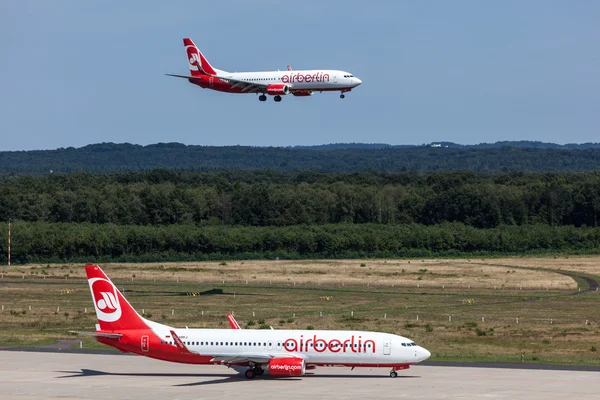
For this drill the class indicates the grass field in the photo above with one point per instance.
(469, 310)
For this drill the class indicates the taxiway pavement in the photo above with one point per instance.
(47, 375)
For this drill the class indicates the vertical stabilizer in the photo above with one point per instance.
(112, 309)
(197, 63)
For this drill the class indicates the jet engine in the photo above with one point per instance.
(287, 367)
(278, 89)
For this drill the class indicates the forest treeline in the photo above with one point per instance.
(342, 158)
(267, 198)
(84, 242)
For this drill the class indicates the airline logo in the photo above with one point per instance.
(298, 77)
(286, 367)
(348, 345)
(106, 300)
(193, 58)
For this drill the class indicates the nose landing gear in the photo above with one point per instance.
(342, 96)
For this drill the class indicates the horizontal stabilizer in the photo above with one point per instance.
(183, 76)
(99, 334)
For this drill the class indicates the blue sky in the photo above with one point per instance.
(81, 72)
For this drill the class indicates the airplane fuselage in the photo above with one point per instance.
(317, 347)
(299, 81)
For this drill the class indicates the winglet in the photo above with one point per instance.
(179, 343)
(232, 322)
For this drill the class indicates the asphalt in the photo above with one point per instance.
(67, 375)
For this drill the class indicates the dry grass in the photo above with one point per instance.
(398, 273)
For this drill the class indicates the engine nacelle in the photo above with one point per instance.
(303, 93)
(278, 89)
(287, 367)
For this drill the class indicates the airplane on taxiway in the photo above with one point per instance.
(274, 83)
(255, 351)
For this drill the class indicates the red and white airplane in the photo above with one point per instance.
(278, 352)
(274, 83)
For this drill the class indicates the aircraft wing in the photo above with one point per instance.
(247, 87)
(241, 358)
(235, 358)
(99, 334)
(180, 345)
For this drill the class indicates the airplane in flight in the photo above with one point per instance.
(273, 83)
(255, 351)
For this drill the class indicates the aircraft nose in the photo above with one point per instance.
(357, 81)
(423, 354)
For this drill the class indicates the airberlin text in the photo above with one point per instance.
(352, 344)
(298, 77)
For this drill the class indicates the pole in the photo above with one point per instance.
(9, 242)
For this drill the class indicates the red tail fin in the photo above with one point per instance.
(112, 309)
(198, 64)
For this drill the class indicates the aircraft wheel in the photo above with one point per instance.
(250, 374)
(277, 98)
(393, 374)
(262, 97)
(342, 96)
(259, 371)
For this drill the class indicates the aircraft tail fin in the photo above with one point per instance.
(112, 309)
(198, 64)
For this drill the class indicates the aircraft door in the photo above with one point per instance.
(334, 78)
(211, 81)
(387, 347)
(279, 346)
(145, 343)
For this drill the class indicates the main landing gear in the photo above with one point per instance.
(342, 96)
(262, 97)
(277, 99)
(393, 373)
(253, 372)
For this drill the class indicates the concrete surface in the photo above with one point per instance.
(37, 375)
